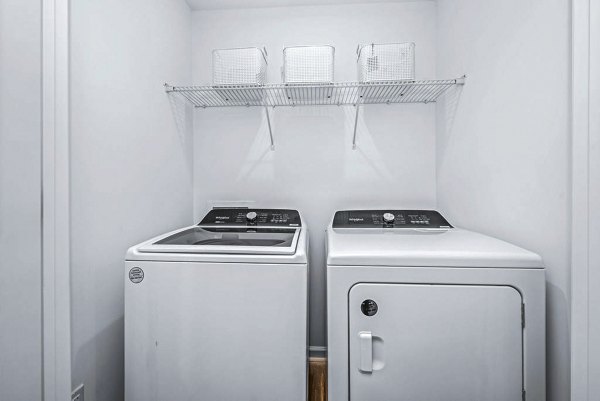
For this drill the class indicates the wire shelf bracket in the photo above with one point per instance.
(356, 94)
(355, 126)
(270, 128)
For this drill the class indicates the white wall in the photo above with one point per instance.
(585, 300)
(503, 145)
(313, 167)
(20, 201)
(594, 208)
(131, 164)
(500, 155)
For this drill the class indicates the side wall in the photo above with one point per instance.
(503, 145)
(130, 164)
(313, 167)
(20, 201)
(594, 206)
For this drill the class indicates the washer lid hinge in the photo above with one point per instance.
(524, 395)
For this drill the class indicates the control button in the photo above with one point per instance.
(251, 217)
(388, 218)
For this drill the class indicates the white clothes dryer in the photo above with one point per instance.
(418, 310)
(218, 311)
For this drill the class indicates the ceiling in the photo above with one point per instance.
(229, 4)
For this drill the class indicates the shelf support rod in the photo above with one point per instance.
(355, 126)
(270, 128)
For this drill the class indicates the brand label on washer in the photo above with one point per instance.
(136, 275)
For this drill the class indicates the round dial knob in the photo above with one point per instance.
(251, 217)
(388, 218)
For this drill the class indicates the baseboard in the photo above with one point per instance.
(317, 351)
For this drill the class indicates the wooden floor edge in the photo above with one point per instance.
(317, 379)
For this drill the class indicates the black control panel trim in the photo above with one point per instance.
(239, 216)
(389, 218)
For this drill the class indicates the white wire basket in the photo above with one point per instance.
(386, 62)
(308, 65)
(239, 66)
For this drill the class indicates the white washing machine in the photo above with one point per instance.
(218, 311)
(420, 311)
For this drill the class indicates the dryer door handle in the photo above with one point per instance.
(366, 351)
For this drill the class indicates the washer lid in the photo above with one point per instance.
(227, 240)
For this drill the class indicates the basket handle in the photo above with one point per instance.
(265, 54)
(359, 50)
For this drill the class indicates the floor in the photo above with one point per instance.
(317, 379)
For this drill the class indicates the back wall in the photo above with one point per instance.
(313, 167)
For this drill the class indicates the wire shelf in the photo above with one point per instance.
(341, 93)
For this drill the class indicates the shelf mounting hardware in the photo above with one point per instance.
(270, 128)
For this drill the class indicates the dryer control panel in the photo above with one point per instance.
(252, 217)
(390, 218)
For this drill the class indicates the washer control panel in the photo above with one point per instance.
(390, 218)
(252, 217)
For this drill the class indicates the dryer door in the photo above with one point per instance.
(435, 343)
